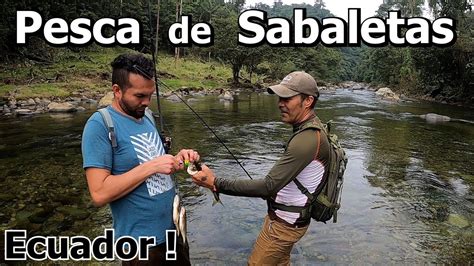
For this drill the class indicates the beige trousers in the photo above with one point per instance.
(274, 243)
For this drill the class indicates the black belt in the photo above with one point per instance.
(298, 224)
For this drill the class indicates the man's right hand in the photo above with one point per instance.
(164, 164)
(205, 178)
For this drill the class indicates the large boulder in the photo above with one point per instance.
(387, 94)
(106, 100)
(61, 107)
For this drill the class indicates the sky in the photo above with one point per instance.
(337, 7)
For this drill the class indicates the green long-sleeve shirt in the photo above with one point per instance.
(300, 151)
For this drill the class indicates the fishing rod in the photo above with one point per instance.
(156, 74)
(167, 141)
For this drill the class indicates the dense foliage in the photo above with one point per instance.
(443, 73)
(436, 71)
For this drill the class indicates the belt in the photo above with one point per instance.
(272, 215)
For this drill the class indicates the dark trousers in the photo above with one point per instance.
(157, 256)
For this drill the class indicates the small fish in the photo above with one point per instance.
(182, 223)
(176, 205)
(193, 169)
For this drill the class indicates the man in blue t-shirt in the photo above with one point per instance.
(134, 177)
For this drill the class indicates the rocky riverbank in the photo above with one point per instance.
(81, 101)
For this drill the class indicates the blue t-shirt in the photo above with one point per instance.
(148, 209)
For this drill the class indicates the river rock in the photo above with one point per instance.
(81, 109)
(173, 98)
(458, 220)
(106, 100)
(30, 102)
(192, 100)
(73, 212)
(45, 101)
(226, 96)
(12, 103)
(61, 107)
(387, 94)
(435, 118)
(23, 111)
(352, 85)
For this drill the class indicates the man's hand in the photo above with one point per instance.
(186, 156)
(164, 164)
(205, 178)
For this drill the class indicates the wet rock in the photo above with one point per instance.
(106, 100)
(12, 103)
(30, 102)
(226, 96)
(387, 93)
(23, 216)
(23, 111)
(6, 197)
(192, 100)
(200, 93)
(90, 101)
(61, 116)
(73, 212)
(80, 109)
(173, 98)
(350, 85)
(435, 118)
(45, 101)
(458, 220)
(61, 107)
(40, 215)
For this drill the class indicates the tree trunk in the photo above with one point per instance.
(235, 73)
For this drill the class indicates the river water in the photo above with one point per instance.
(407, 197)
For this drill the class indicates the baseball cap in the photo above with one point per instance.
(295, 83)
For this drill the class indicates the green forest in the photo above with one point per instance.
(444, 74)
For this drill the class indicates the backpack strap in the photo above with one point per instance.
(110, 125)
(300, 186)
(303, 210)
(320, 198)
(149, 115)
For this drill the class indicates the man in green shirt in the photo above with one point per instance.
(305, 158)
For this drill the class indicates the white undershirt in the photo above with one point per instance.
(310, 177)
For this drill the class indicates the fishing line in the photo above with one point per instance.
(190, 108)
(208, 127)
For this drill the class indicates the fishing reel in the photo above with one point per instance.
(166, 143)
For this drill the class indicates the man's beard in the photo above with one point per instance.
(130, 111)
